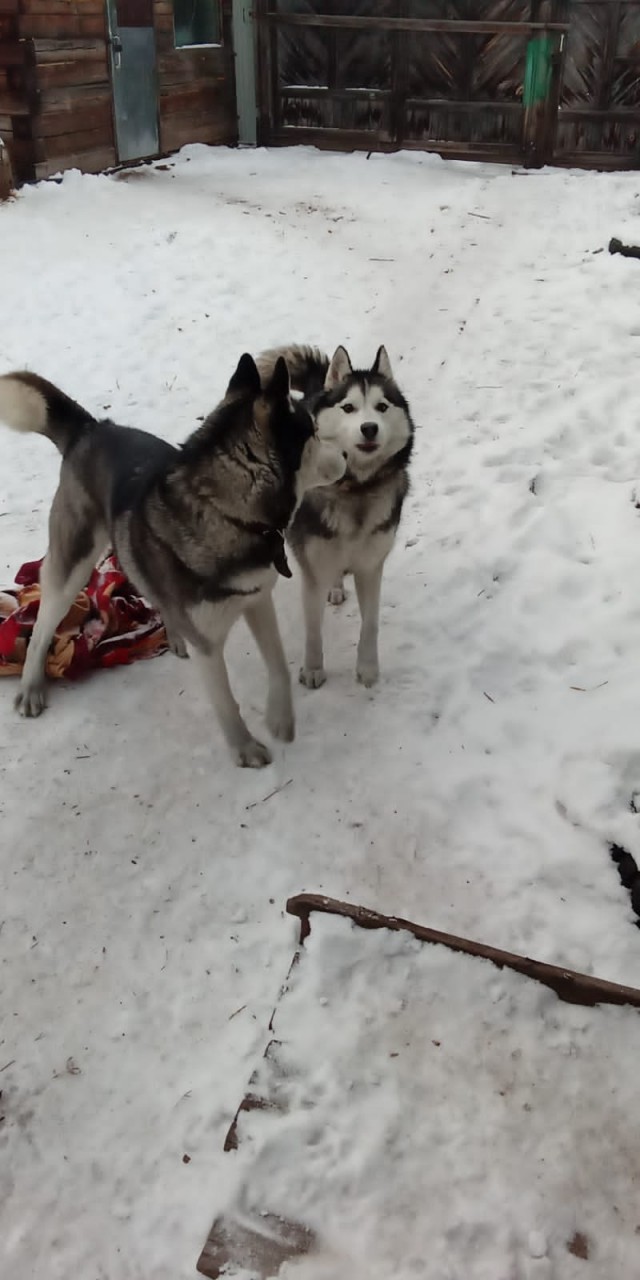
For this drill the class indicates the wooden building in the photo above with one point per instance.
(94, 83)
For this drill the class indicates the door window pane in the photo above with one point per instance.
(196, 22)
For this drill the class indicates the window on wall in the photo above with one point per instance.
(196, 22)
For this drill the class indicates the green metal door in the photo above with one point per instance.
(132, 43)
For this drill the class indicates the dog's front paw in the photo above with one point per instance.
(337, 595)
(312, 677)
(367, 673)
(281, 722)
(252, 755)
(282, 725)
(176, 644)
(31, 700)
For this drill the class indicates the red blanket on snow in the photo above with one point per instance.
(108, 624)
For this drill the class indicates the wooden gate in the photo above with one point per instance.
(533, 81)
(423, 74)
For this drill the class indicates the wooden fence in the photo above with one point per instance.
(514, 80)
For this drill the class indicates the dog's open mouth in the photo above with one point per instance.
(368, 446)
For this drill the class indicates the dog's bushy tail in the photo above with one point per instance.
(307, 367)
(30, 403)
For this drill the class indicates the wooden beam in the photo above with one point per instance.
(22, 160)
(601, 161)
(79, 116)
(178, 131)
(72, 73)
(52, 25)
(68, 8)
(6, 175)
(78, 46)
(13, 104)
(189, 65)
(50, 147)
(320, 92)
(12, 53)
(377, 140)
(568, 984)
(74, 97)
(453, 26)
(200, 99)
(573, 115)
(87, 161)
(9, 26)
(70, 51)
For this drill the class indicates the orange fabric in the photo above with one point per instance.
(107, 625)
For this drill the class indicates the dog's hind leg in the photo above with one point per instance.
(263, 623)
(66, 569)
(368, 583)
(246, 751)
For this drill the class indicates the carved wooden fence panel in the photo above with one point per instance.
(599, 117)
(512, 80)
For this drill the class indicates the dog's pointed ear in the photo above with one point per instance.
(339, 368)
(382, 364)
(279, 386)
(246, 379)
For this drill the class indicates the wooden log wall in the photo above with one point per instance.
(196, 86)
(69, 123)
(15, 87)
(56, 100)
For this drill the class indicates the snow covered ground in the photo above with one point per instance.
(406, 1167)
(142, 937)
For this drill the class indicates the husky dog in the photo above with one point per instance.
(350, 526)
(198, 529)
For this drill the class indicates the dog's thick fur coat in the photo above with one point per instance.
(350, 526)
(198, 529)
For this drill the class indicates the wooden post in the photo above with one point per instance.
(245, 66)
(538, 98)
(6, 176)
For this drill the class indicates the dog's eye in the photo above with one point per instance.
(382, 407)
(348, 408)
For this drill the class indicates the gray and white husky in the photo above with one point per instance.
(351, 525)
(198, 529)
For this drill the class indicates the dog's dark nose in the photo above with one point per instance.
(369, 430)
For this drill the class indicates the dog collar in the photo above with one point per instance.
(274, 539)
(275, 543)
(280, 561)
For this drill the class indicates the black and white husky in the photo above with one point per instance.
(349, 526)
(199, 529)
